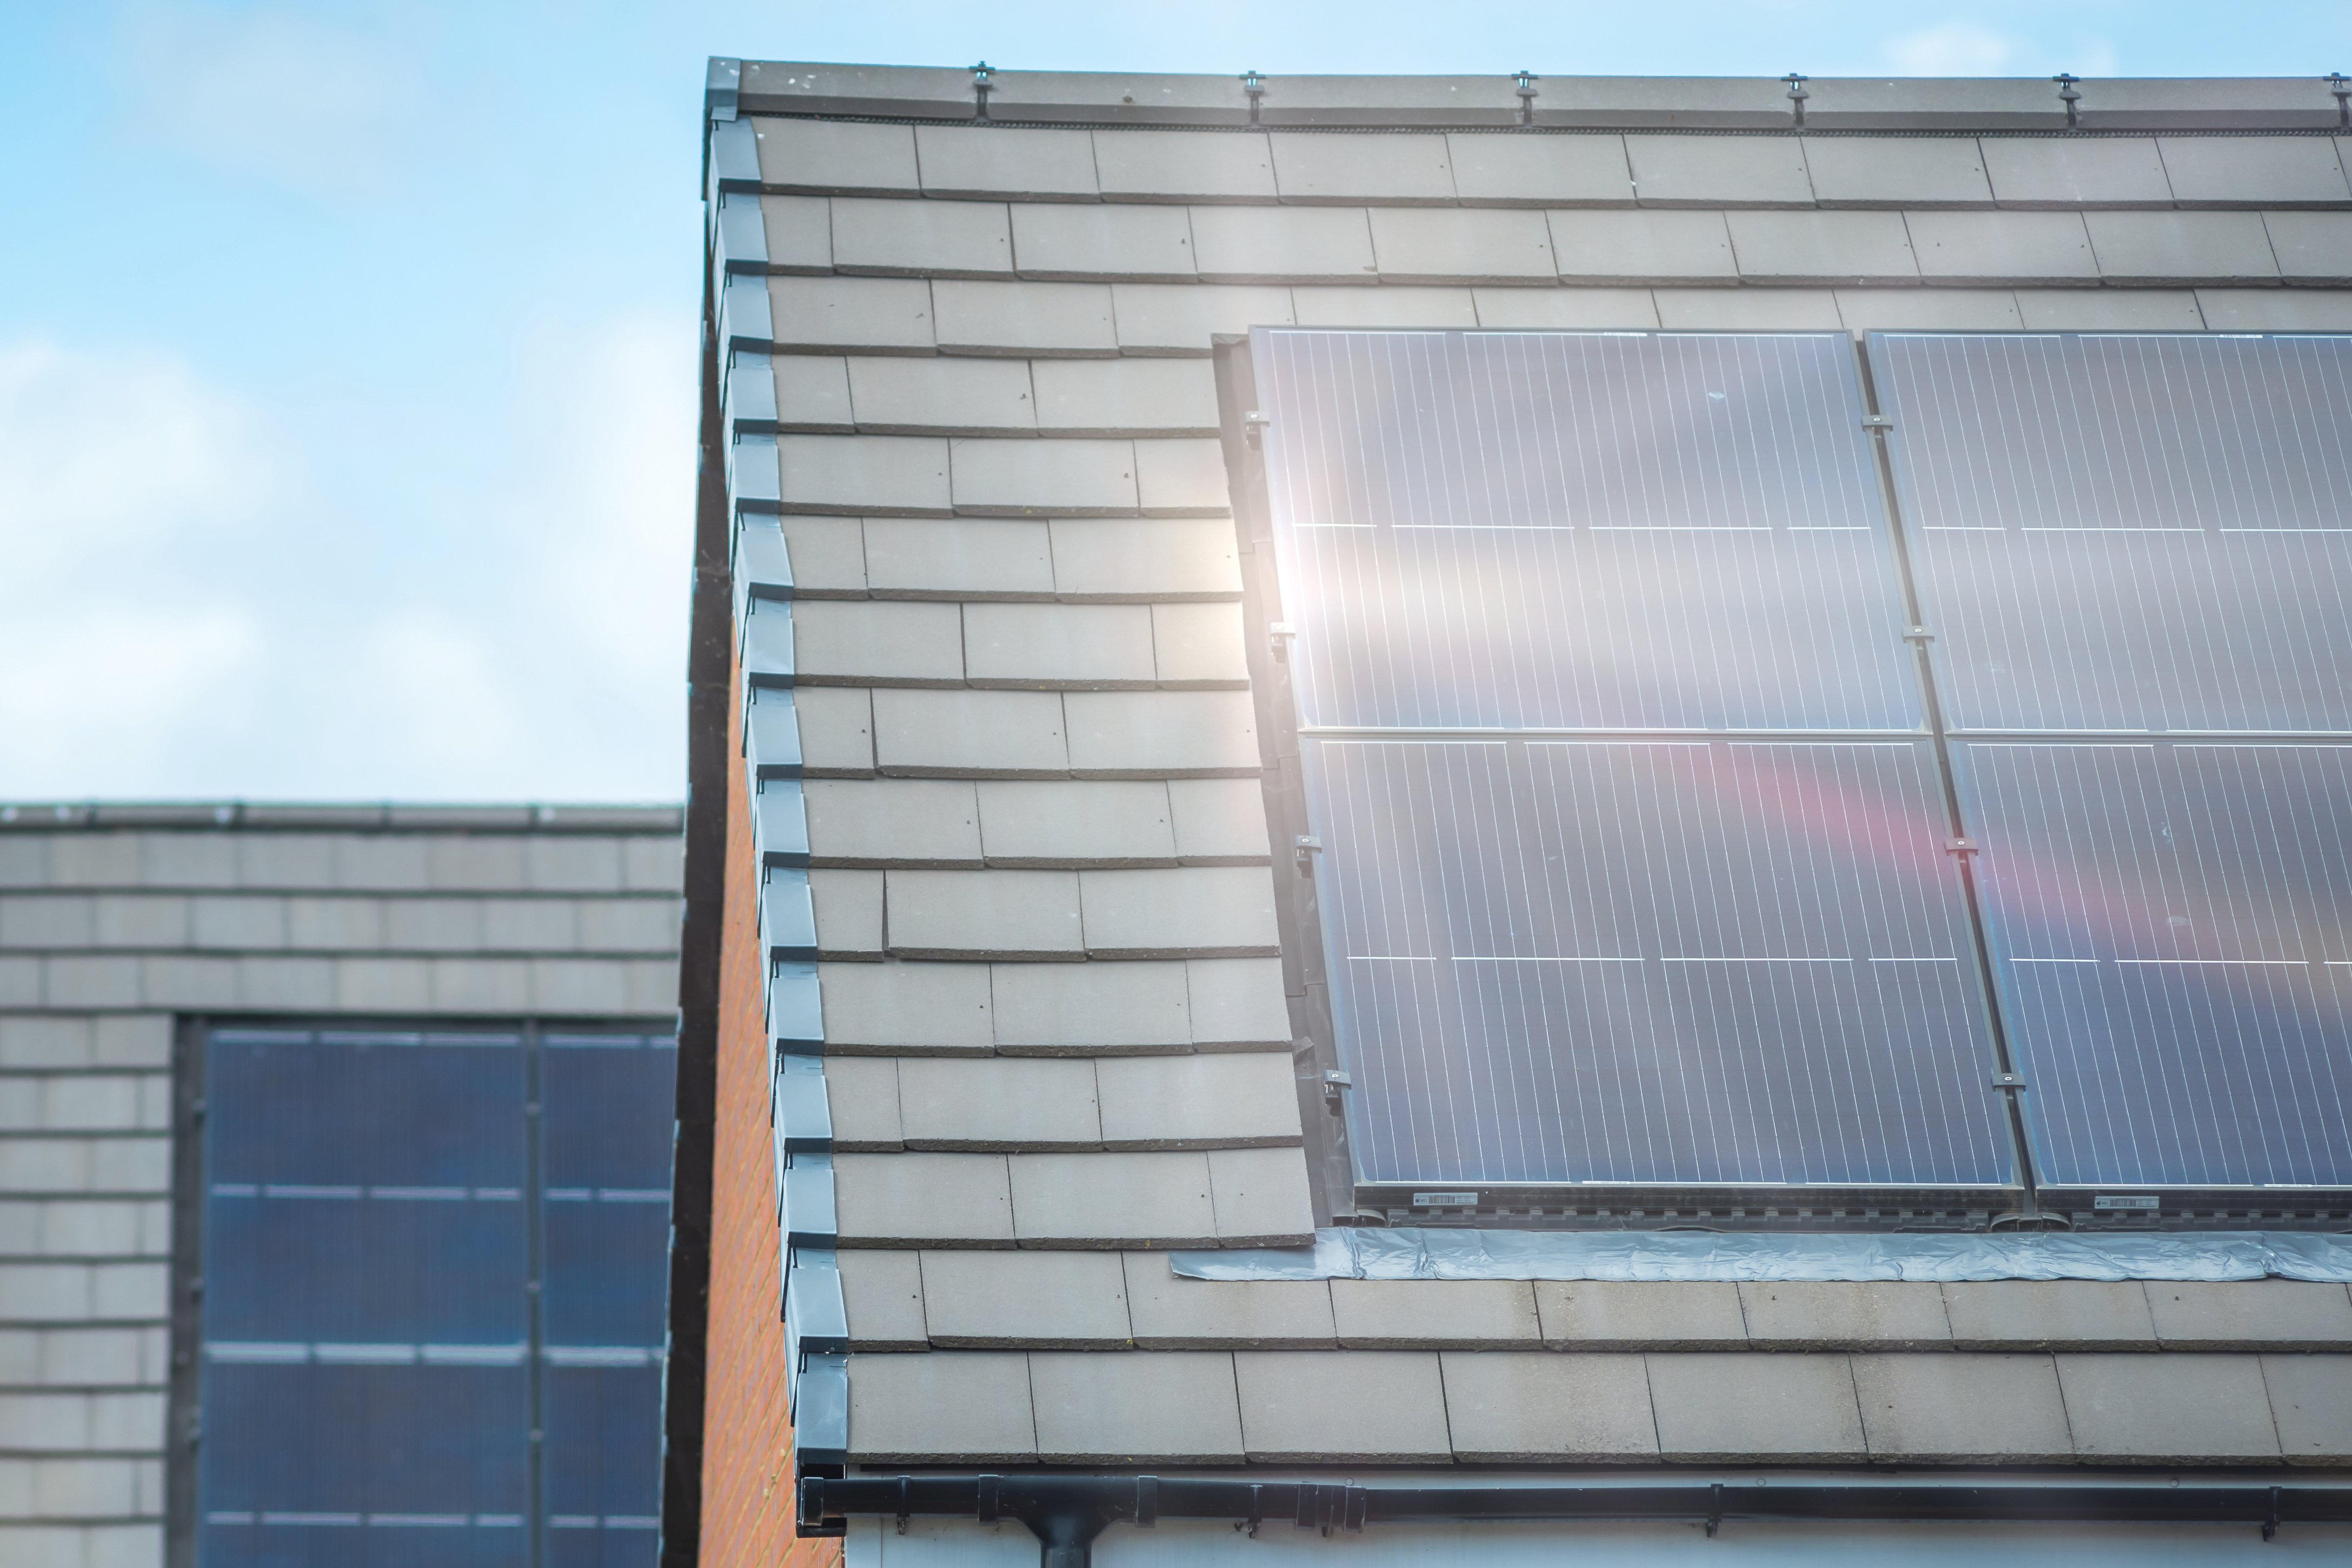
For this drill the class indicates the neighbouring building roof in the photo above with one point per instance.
(1010, 998)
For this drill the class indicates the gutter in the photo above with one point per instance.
(1067, 1512)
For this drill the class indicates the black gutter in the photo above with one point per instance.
(1066, 1512)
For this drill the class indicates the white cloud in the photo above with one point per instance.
(1954, 48)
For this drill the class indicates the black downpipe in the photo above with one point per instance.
(1067, 1512)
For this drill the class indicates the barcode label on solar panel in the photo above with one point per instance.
(1444, 1200)
(2145, 1203)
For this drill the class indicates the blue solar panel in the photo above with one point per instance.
(367, 1382)
(2148, 532)
(2172, 927)
(1586, 531)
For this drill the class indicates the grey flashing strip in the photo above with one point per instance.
(787, 917)
(751, 394)
(778, 823)
(248, 817)
(767, 644)
(804, 1111)
(772, 733)
(795, 1009)
(1431, 1253)
(804, 1200)
(742, 234)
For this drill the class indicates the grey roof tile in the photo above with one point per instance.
(1042, 479)
(1200, 645)
(812, 393)
(2271, 1314)
(883, 1295)
(1643, 247)
(1604, 1314)
(1181, 478)
(849, 913)
(936, 239)
(1073, 1300)
(847, 474)
(916, 558)
(826, 156)
(1578, 308)
(1219, 821)
(940, 397)
(860, 315)
(1963, 1409)
(1086, 646)
(2089, 171)
(998, 1102)
(1237, 1004)
(1281, 245)
(1505, 1407)
(999, 161)
(1161, 734)
(1097, 823)
(878, 642)
(1719, 171)
(1823, 1315)
(2182, 248)
(1748, 309)
(1183, 166)
(946, 1408)
(827, 555)
(2108, 310)
(2275, 310)
(1157, 558)
(2080, 1314)
(1112, 1200)
(862, 1097)
(1541, 171)
(985, 914)
(893, 822)
(1898, 172)
(2002, 247)
(1372, 1407)
(1431, 1314)
(836, 732)
(1177, 1408)
(1126, 240)
(933, 1008)
(1179, 318)
(2254, 170)
(1847, 248)
(1027, 320)
(907, 1200)
(1744, 1407)
(1261, 1197)
(1210, 912)
(1197, 1102)
(2168, 1409)
(2311, 247)
(1394, 306)
(1170, 1311)
(1327, 169)
(972, 734)
(799, 233)
(1462, 245)
(1126, 396)
(1933, 103)
(1928, 310)
(1090, 1008)
(2311, 1401)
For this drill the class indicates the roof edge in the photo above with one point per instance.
(388, 816)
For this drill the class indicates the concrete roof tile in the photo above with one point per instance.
(1462, 245)
(1111, 559)
(2254, 170)
(1083, 647)
(1126, 396)
(1237, 1003)
(1518, 1407)
(2090, 171)
(1283, 244)
(963, 559)
(1963, 1409)
(2269, 1314)
(1748, 309)
(1928, 310)
(1164, 1409)
(883, 1295)
(1602, 1314)
(2182, 249)
(1219, 821)
(969, 915)
(907, 1200)
(2311, 1400)
(990, 1300)
(971, 734)
(2085, 1314)
(2108, 310)
(1823, 1315)
(2311, 247)
(2168, 1409)
(1581, 308)
(998, 1102)
(836, 726)
(813, 395)
(848, 475)
(1000, 161)
(1042, 479)
(1169, 1310)
(935, 239)
(1744, 1407)
(1089, 823)
(940, 397)
(1327, 169)
(1898, 172)
(1199, 646)
(799, 233)
(2275, 310)
(1208, 911)
(1183, 166)
(849, 913)
(945, 1408)
(1371, 1407)
(1394, 306)
(1262, 1198)
(1541, 171)
(830, 156)
(867, 315)
(1197, 1102)
(1128, 240)
(1642, 246)
(1090, 1008)
(1179, 318)
(931, 1009)
(878, 642)
(862, 1097)
(2002, 247)
(1182, 477)
(1112, 1200)
(1028, 320)
(1719, 171)
(1843, 248)
(1434, 1314)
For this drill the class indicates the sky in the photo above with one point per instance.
(347, 351)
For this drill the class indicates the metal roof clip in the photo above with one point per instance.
(1334, 1083)
(1917, 634)
(1255, 85)
(1279, 636)
(2342, 92)
(1797, 95)
(2010, 1080)
(1303, 847)
(1963, 848)
(1254, 423)
(2071, 98)
(984, 82)
(1526, 91)
(1878, 422)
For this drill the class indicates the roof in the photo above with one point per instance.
(977, 446)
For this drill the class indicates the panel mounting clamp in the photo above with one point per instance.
(1253, 84)
(1963, 848)
(1279, 636)
(984, 82)
(1917, 634)
(1878, 422)
(2071, 98)
(1797, 95)
(2341, 90)
(1255, 425)
(1334, 1083)
(1526, 91)
(1302, 848)
(2010, 1080)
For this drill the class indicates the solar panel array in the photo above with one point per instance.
(375, 1234)
(1639, 849)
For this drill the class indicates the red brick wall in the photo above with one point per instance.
(747, 1458)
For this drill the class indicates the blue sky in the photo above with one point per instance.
(347, 351)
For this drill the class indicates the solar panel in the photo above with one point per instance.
(1593, 531)
(1685, 962)
(2148, 532)
(2172, 927)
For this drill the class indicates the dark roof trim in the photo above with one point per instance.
(665, 821)
(1625, 103)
